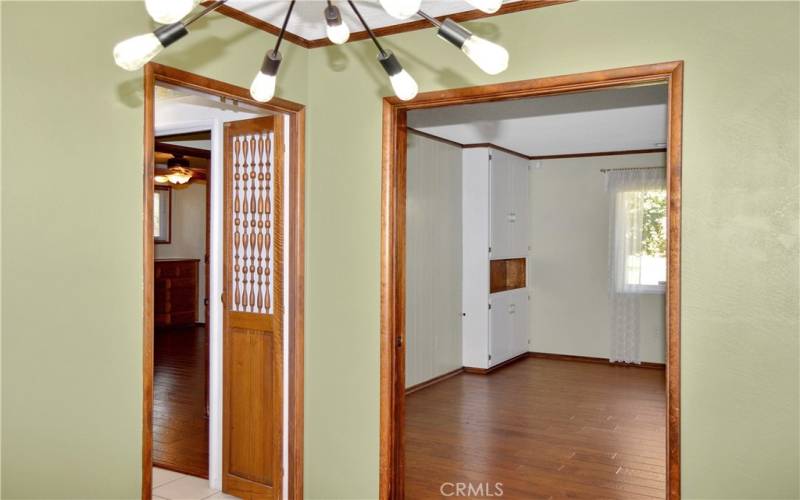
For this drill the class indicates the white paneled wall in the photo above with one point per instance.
(433, 259)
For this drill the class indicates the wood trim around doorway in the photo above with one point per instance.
(154, 73)
(393, 241)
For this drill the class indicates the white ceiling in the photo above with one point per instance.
(308, 22)
(197, 144)
(585, 122)
(166, 94)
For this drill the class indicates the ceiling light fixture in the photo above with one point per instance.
(405, 87)
(179, 175)
(135, 52)
(488, 6)
(177, 171)
(488, 56)
(170, 11)
(336, 28)
(263, 87)
(401, 9)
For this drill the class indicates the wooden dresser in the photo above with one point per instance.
(175, 297)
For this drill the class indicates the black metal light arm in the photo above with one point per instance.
(171, 33)
(448, 30)
(283, 26)
(367, 28)
(429, 18)
(189, 20)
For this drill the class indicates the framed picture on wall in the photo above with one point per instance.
(162, 214)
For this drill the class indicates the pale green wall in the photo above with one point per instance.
(72, 258)
(740, 275)
(66, 103)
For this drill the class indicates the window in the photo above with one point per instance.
(643, 222)
(162, 199)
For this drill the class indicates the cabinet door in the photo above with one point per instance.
(519, 313)
(501, 327)
(520, 208)
(500, 204)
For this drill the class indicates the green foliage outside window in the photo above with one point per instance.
(654, 232)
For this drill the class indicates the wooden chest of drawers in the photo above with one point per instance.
(175, 296)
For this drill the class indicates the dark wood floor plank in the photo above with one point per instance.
(180, 423)
(543, 428)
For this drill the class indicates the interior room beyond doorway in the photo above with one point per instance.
(535, 281)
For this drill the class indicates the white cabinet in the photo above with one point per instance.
(501, 327)
(495, 226)
(520, 209)
(500, 205)
(521, 320)
(475, 258)
(508, 206)
(508, 325)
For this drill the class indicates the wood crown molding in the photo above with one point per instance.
(244, 17)
(600, 153)
(405, 27)
(530, 157)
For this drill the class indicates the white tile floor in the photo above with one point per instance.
(168, 485)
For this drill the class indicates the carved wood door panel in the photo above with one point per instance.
(253, 309)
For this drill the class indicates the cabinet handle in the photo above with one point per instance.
(512, 217)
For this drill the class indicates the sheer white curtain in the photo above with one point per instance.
(633, 269)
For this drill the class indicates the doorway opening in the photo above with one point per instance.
(502, 372)
(181, 269)
(223, 302)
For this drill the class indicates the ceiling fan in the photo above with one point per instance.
(177, 171)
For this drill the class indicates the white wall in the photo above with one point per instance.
(569, 260)
(433, 259)
(188, 239)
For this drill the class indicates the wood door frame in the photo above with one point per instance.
(393, 240)
(154, 73)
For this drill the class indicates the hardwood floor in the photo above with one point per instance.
(543, 428)
(180, 424)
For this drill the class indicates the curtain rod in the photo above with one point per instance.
(604, 170)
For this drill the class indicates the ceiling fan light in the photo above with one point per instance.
(169, 11)
(179, 175)
(401, 9)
